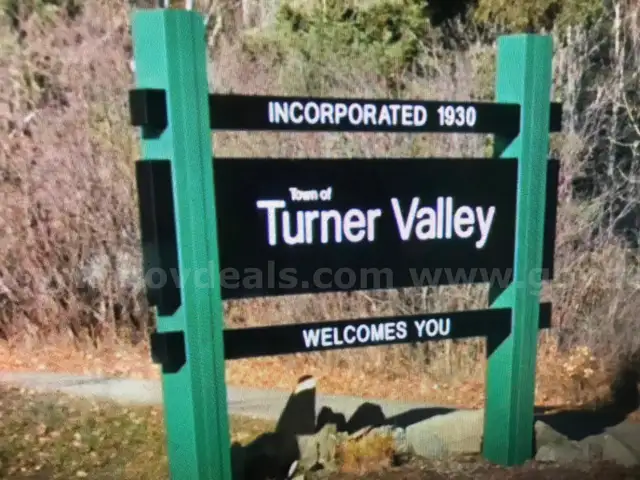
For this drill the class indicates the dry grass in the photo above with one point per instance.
(366, 454)
(70, 251)
(52, 436)
(55, 437)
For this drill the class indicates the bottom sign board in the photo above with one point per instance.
(342, 334)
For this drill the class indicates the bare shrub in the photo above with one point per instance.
(68, 210)
(597, 288)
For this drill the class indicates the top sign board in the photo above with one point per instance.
(309, 114)
(309, 226)
(257, 112)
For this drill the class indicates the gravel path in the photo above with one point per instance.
(264, 404)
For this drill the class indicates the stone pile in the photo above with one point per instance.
(306, 447)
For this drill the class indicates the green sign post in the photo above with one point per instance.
(170, 55)
(205, 223)
(523, 77)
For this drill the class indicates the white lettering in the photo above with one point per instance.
(298, 237)
(463, 222)
(295, 113)
(426, 227)
(308, 225)
(459, 116)
(402, 330)
(326, 337)
(446, 328)
(354, 219)
(369, 114)
(444, 220)
(311, 337)
(371, 223)
(272, 117)
(484, 224)
(363, 334)
(326, 114)
(341, 112)
(389, 331)
(433, 327)
(405, 226)
(298, 195)
(407, 115)
(385, 117)
(378, 332)
(271, 206)
(311, 112)
(337, 341)
(419, 115)
(349, 330)
(419, 326)
(325, 195)
(281, 113)
(355, 114)
(394, 111)
(325, 216)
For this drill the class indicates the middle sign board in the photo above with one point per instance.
(321, 225)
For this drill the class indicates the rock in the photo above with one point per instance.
(593, 448)
(627, 434)
(554, 447)
(457, 433)
(616, 451)
(327, 443)
(318, 451)
(401, 446)
(425, 444)
(294, 472)
(401, 443)
(568, 452)
(546, 435)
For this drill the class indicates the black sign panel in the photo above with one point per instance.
(259, 112)
(308, 226)
(343, 334)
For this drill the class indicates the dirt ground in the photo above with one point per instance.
(482, 471)
(51, 436)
